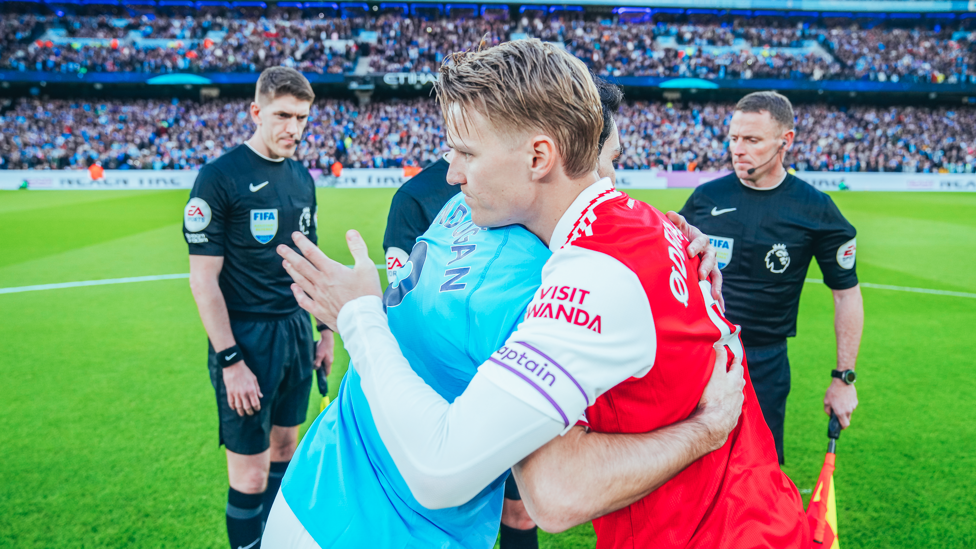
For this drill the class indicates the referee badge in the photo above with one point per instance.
(264, 225)
(723, 249)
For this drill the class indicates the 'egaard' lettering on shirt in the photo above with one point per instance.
(570, 310)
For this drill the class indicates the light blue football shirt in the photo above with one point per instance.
(463, 291)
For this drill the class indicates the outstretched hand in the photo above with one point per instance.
(323, 286)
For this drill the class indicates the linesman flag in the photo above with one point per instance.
(822, 510)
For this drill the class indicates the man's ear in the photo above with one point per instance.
(788, 139)
(544, 156)
(256, 113)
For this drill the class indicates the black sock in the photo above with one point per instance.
(243, 519)
(274, 483)
(513, 538)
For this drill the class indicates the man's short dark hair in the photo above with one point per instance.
(610, 98)
(276, 82)
(778, 106)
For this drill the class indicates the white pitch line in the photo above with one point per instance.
(905, 289)
(107, 281)
(82, 283)
(90, 283)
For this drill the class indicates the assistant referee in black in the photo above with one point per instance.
(766, 226)
(261, 349)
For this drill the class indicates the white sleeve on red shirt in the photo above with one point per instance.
(588, 328)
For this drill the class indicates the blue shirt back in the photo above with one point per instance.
(463, 291)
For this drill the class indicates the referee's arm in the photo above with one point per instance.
(835, 248)
(203, 227)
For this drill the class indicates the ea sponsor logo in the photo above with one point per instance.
(196, 215)
(777, 259)
(406, 277)
(264, 225)
(846, 254)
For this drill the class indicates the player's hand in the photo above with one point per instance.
(702, 247)
(325, 352)
(243, 392)
(323, 286)
(841, 398)
(721, 402)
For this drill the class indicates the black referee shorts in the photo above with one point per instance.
(769, 368)
(280, 353)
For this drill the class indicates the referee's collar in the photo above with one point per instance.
(764, 189)
(282, 159)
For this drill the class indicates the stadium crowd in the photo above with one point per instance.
(736, 48)
(42, 134)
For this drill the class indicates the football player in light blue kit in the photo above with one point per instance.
(342, 485)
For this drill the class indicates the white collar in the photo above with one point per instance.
(282, 159)
(569, 223)
(764, 189)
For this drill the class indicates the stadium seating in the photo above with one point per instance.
(172, 135)
(732, 47)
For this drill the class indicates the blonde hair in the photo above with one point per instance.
(528, 85)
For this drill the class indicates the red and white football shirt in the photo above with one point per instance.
(622, 328)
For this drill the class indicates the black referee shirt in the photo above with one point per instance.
(765, 240)
(241, 207)
(415, 205)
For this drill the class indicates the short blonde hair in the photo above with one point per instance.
(528, 85)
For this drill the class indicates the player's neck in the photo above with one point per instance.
(258, 146)
(769, 180)
(553, 202)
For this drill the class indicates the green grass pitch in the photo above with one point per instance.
(108, 431)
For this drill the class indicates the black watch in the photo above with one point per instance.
(847, 376)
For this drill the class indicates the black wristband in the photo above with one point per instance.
(229, 357)
(322, 327)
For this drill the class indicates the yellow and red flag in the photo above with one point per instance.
(822, 510)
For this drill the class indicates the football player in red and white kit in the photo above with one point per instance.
(620, 329)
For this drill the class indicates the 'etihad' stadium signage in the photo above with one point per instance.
(409, 78)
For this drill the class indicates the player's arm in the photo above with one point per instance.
(835, 248)
(584, 475)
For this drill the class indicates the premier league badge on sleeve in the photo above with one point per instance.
(264, 225)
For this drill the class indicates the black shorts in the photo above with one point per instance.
(280, 353)
(769, 368)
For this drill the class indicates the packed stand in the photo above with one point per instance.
(157, 135)
(178, 135)
(246, 45)
(737, 48)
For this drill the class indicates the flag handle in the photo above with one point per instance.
(833, 433)
(323, 383)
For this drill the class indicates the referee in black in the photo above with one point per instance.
(766, 226)
(261, 350)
